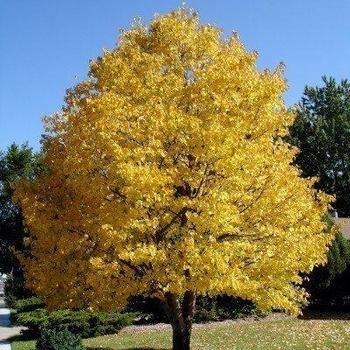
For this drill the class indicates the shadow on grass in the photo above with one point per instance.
(89, 348)
(327, 312)
(25, 336)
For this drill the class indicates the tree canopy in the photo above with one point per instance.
(322, 133)
(167, 175)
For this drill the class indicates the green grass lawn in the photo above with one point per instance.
(265, 335)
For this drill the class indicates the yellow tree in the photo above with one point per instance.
(167, 176)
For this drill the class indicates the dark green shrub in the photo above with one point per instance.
(223, 308)
(151, 309)
(84, 323)
(207, 309)
(28, 304)
(58, 340)
(33, 320)
(329, 284)
(88, 324)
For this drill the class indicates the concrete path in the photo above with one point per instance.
(6, 331)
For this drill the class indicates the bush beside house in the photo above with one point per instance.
(329, 284)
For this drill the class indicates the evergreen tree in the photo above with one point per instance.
(17, 162)
(322, 133)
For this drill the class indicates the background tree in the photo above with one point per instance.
(322, 133)
(17, 162)
(167, 176)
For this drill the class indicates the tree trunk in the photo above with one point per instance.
(181, 316)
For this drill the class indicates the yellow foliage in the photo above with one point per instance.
(166, 171)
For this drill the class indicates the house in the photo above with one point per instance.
(343, 223)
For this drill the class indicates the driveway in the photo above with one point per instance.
(6, 331)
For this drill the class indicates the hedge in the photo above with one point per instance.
(63, 340)
(83, 323)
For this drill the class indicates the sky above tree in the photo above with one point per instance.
(46, 46)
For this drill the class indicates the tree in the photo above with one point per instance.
(167, 176)
(17, 162)
(322, 133)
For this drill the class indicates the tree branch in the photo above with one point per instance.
(159, 235)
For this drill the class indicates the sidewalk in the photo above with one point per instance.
(6, 331)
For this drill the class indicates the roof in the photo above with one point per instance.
(344, 225)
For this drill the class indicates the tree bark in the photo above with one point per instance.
(180, 315)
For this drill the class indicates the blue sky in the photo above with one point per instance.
(46, 45)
